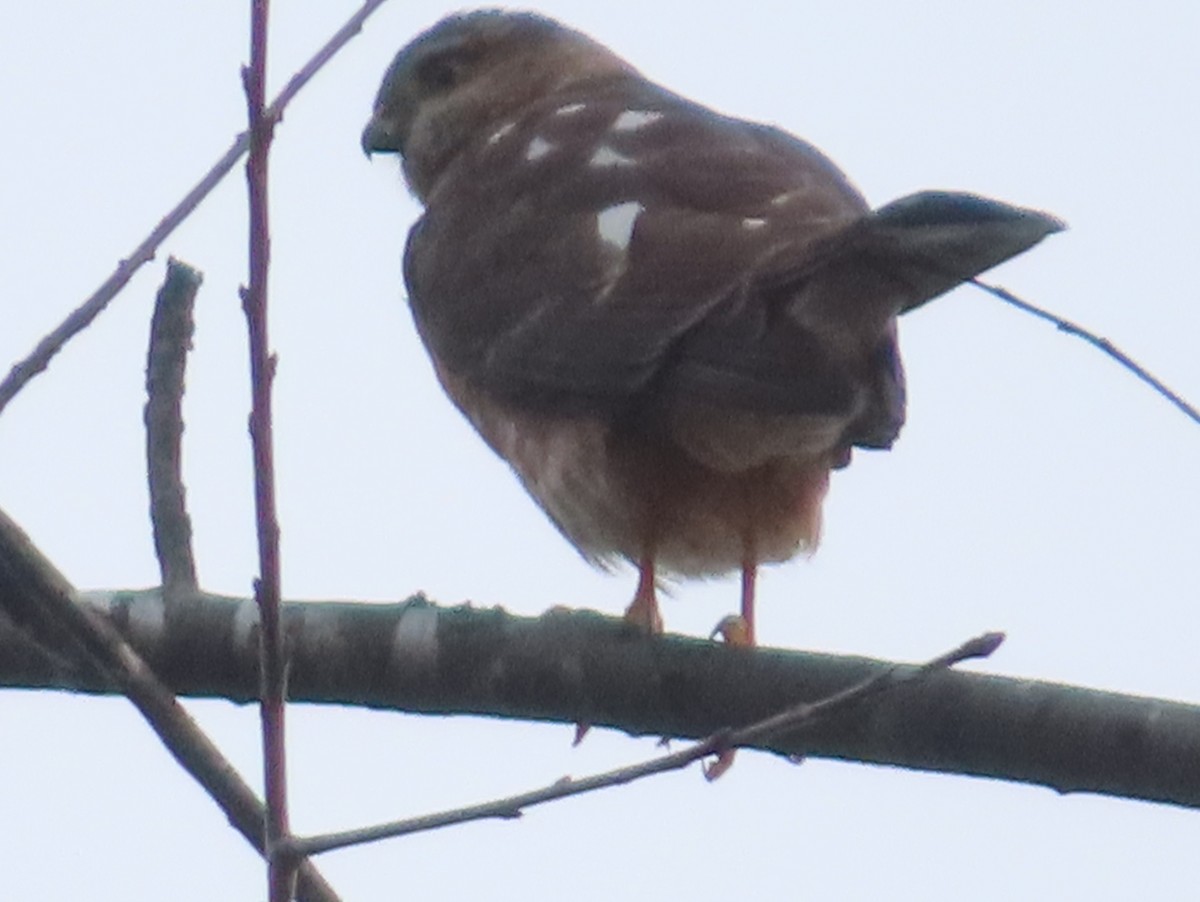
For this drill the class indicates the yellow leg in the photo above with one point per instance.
(749, 583)
(738, 629)
(643, 610)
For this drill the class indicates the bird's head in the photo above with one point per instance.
(470, 71)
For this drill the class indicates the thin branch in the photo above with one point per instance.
(171, 330)
(79, 319)
(790, 720)
(26, 574)
(801, 714)
(280, 868)
(1065, 325)
(510, 807)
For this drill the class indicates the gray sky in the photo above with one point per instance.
(1037, 488)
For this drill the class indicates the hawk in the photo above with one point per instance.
(671, 323)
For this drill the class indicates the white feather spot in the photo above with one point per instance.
(631, 120)
(615, 224)
(499, 133)
(786, 198)
(569, 109)
(605, 156)
(751, 222)
(538, 148)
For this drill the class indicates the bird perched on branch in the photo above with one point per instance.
(672, 324)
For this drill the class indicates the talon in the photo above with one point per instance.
(581, 730)
(720, 766)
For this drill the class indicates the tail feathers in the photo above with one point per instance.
(940, 238)
(913, 250)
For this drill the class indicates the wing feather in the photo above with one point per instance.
(516, 287)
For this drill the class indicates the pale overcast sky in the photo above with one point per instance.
(1037, 488)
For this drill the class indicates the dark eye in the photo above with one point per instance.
(443, 71)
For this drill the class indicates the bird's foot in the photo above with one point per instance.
(643, 614)
(734, 630)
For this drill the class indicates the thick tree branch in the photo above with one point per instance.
(568, 666)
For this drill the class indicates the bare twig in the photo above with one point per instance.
(25, 573)
(171, 330)
(800, 715)
(1091, 338)
(280, 868)
(79, 319)
(789, 720)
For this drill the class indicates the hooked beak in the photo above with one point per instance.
(380, 137)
